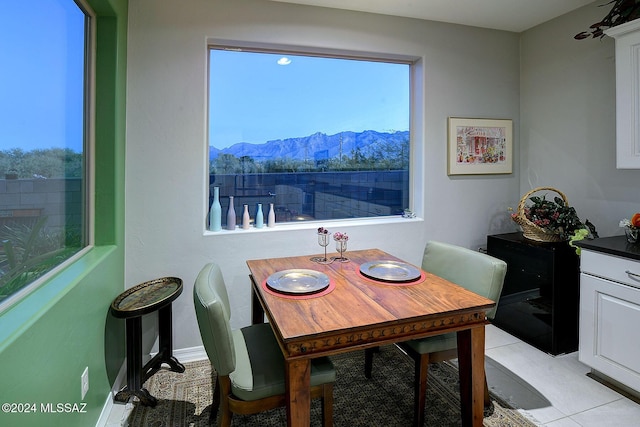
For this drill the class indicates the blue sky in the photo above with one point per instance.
(255, 99)
(41, 77)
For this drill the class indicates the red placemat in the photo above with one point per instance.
(330, 288)
(384, 282)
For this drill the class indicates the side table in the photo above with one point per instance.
(132, 304)
(541, 292)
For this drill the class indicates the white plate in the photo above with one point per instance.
(298, 281)
(390, 271)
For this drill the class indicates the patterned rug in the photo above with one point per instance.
(386, 400)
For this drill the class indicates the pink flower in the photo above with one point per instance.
(340, 236)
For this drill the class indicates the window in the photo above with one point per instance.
(43, 140)
(320, 137)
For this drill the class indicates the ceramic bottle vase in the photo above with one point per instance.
(245, 217)
(259, 216)
(215, 213)
(271, 217)
(231, 215)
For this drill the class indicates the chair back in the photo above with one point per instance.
(213, 313)
(478, 272)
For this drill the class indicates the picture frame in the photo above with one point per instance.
(479, 146)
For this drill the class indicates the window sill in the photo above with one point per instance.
(21, 314)
(313, 225)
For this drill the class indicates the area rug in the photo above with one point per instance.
(385, 400)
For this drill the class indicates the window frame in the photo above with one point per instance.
(88, 172)
(416, 123)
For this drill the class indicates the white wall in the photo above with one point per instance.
(469, 72)
(567, 121)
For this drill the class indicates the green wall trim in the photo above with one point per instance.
(50, 343)
(21, 316)
(53, 334)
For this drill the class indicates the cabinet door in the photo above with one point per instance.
(529, 268)
(609, 338)
(627, 94)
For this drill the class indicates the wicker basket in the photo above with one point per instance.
(529, 229)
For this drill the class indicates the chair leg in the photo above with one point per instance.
(368, 360)
(215, 404)
(225, 391)
(327, 405)
(420, 388)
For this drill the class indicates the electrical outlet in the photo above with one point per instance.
(84, 382)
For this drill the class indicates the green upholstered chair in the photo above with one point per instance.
(249, 363)
(475, 271)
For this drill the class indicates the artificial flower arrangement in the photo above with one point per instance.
(633, 223)
(556, 219)
(632, 227)
(341, 245)
(338, 236)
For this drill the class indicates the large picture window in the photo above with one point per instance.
(320, 137)
(43, 133)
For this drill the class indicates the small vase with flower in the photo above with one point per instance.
(323, 240)
(341, 246)
(632, 228)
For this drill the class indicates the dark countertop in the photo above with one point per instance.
(616, 245)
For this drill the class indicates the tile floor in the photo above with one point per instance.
(553, 391)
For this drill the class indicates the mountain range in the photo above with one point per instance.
(317, 146)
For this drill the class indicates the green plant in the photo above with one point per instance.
(558, 217)
(29, 251)
(622, 11)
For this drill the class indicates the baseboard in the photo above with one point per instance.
(614, 385)
(108, 406)
(191, 354)
(106, 410)
(184, 355)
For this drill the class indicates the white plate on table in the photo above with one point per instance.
(390, 271)
(298, 281)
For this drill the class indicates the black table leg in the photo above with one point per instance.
(166, 340)
(134, 366)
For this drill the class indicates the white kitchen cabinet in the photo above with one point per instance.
(609, 340)
(627, 38)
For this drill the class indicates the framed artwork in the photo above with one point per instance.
(480, 146)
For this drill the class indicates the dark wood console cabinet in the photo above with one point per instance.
(541, 293)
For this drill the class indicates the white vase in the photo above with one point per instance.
(245, 217)
(271, 217)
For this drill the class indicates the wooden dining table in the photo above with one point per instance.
(356, 312)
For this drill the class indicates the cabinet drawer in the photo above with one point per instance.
(611, 267)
